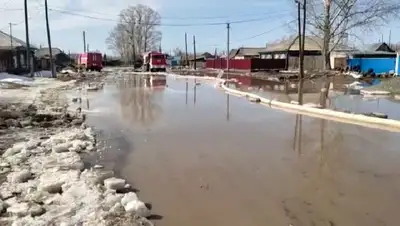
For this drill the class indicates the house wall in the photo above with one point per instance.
(311, 63)
(245, 57)
(379, 65)
(6, 60)
(248, 64)
(338, 60)
(199, 64)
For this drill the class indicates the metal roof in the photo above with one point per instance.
(5, 41)
(312, 43)
(42, 52)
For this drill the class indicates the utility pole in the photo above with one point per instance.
(228, 27)
(28, 46)
(390, 37)
(186, 51)
(84, 41)
(87, 47)
(215, 57)
(194, 52)
(11, 37)
(53, 72)
(301, 39)
(11, 44)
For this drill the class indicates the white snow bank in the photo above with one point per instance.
(21, 80)
(50, 188)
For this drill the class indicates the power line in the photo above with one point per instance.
(22, 21)
(165, 24)
(172, 18)
(266, 32)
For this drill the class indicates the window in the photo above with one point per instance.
(158, 57)
(22, 60)
(15, 62)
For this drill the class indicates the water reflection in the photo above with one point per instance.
(87, 103)
(137, 103)
(228, 114)
(194, 92)
(186, 93)
(298, 132)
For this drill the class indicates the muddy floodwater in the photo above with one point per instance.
(204, 158)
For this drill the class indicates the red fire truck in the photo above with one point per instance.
(154, 61)
(90, 61)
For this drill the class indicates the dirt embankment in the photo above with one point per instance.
(42, 175)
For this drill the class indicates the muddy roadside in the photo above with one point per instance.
(44, 180)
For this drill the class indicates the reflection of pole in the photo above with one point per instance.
(322, 133)
(194, 95)
(228, 115)
(187, 87)
(298, 134)
(194, 52)
(295, 132)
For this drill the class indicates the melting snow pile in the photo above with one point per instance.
(47, 185)
(21, 80)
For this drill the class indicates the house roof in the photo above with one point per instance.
(246, 51)
(5, 40)
(44, 52)
(312, 43)
(379, 47)
(374, 53)
(204, 55)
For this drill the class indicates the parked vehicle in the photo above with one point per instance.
(154, 61)
(90, 61)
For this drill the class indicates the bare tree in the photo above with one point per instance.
(135, 33)
(178, 52)
(335, 20)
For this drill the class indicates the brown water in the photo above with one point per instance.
(337, 99)
(203, 158)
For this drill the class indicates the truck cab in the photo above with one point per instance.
(155, 61)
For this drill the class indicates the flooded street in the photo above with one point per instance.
(204, 158)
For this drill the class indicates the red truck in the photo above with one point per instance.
(90, 61)
(154, 61)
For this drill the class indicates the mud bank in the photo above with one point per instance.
(44, 180)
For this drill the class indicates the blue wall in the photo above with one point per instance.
(379, 65)
(398, 67)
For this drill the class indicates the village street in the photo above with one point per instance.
(209, 113)
(194, 141)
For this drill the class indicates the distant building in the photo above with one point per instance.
(246, 53)
(289, 49)
(61, 59)
(13, 57)
(377, 57)
(200, 59)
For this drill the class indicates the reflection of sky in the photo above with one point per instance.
(360, 105)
